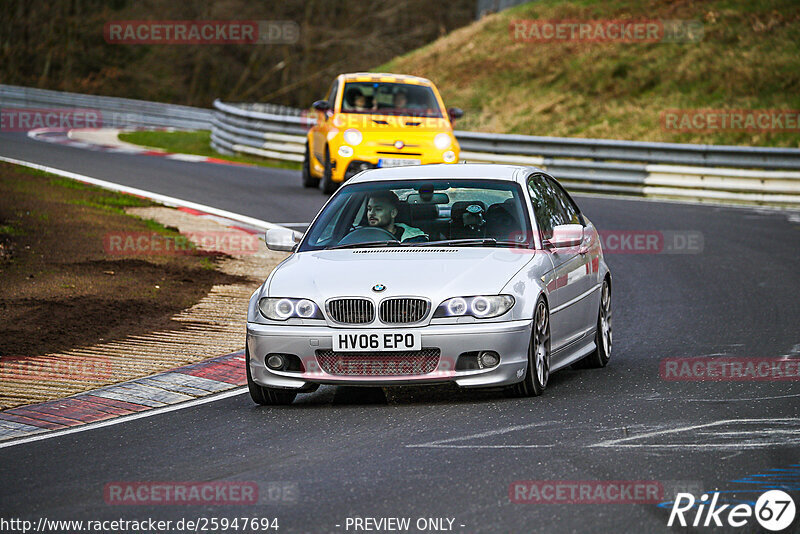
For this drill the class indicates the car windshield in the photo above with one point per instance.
(418, 213)
(390, 99)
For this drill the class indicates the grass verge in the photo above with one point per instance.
(63, 287)
(198, 143)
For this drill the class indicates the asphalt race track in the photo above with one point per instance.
(442, 453)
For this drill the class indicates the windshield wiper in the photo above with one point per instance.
(368, 244)
(480, 242)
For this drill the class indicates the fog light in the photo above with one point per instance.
(488, 359)
(449, 156)
(275, 361)
(345, 151)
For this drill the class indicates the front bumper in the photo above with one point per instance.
(509, 339)
(345, 167)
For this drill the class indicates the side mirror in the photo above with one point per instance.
(567, 235)
(321, 105)
(455, 113)
(281, 239)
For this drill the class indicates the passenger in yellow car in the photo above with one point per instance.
(382, 211)
(400, 100)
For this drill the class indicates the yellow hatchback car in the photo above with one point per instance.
(377, 120)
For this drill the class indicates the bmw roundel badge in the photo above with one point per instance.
(378, 288)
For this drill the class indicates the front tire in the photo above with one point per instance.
(308, 179)
(266, 396)
(329, 187)
(603, 337)
(538, 372)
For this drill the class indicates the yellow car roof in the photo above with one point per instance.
(385, 77)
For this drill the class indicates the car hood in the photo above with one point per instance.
(435, 273)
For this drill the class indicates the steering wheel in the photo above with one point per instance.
(366, 234)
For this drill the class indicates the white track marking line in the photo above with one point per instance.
(441, 442)
(751, 399)
(125, 418)
(446, 446)
(166, 200)
(618, 442)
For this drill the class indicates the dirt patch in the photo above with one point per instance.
(62, 290)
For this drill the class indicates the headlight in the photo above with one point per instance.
(282, 309)
(442, 141)
(345, 151)
(352, 136)
(481, 306)
(449, 156)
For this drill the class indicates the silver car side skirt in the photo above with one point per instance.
(574, 357)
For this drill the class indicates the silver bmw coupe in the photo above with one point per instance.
(482, 275)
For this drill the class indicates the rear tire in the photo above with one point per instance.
(538, 371)
(266, 396)
(329, 187)
(603, 336)
(308, 180)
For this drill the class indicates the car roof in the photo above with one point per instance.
(466, 171)
(385, 77)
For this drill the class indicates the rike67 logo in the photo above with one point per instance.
(774, 511)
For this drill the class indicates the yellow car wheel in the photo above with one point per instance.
(328, 185)
(308, 179)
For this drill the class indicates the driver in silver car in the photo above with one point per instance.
(382, 211)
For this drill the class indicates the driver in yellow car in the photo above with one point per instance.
(382, 211)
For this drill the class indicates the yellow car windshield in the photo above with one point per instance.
(390, 99)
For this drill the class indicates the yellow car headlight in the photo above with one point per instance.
(352, 136)
(442, 141)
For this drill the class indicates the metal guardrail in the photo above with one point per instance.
(114, 112)
(701, 172)
(274, 132)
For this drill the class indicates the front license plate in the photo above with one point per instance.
(376, 341)
(397, 162)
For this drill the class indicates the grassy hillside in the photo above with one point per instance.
(749, 58)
